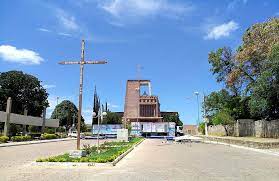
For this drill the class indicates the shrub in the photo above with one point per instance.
(21, 138)
(4, 139)
(47, 136)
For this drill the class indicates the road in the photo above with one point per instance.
(152, 160)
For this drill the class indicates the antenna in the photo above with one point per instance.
(139, 68)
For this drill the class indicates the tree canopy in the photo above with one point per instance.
(173, 118)
(25, 90)
(67, 113)
(112, 118)
(250, 75)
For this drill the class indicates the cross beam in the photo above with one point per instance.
(82, 62)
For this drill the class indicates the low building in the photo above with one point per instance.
(190, 129)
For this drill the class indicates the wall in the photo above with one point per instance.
(29, 120)
(267, 129)
(219, 130)
(248, 127)
(245, 127)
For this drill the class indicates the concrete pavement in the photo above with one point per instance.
(152, 160)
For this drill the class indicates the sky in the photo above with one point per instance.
(169, 39)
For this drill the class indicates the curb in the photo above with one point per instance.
(34, 142)
(125, 153)
(70, 164)
(268, 152)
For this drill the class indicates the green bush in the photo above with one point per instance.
(4, 139)
(21, 138)
(47, 136)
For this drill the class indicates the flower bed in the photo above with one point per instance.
(109, 151)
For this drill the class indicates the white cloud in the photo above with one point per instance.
(66, 20)
(113, 105)
(22, 56)
(44, 30)
(46, 86)
(131, 9)
(65, 34)
(223, 30)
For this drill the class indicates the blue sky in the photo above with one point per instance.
(170, 39)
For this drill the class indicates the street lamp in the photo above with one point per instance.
(138, 110)
(100, 115)
(57, 99)
(198, 120)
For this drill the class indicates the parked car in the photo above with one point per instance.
(74, 135)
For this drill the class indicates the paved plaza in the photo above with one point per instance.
(152, 160)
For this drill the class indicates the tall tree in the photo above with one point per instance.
(67, 113)
(264, 101)
(112, 118)
(173, 118)
(25, 90)
(96, 106)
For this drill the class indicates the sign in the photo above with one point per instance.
(106, 129)
(77, 153)
(122, 134)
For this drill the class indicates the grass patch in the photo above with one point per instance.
(109, 151)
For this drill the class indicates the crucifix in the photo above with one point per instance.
(81, 63)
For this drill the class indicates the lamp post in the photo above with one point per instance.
(57, 99)
(198, 120)
(138, 110)
(100, 115)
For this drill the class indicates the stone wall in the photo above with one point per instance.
(245, 127)
(219, 130)
(267, 129)
(248, 127)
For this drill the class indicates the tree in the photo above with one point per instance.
(220, 100)
(112, 118)
(224, 66)
(67, 113)
(223, 118)
(173, 118)
(264, 102)
(25, 90)
(251, 75)
(96, 106)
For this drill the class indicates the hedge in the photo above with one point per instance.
(4, 139)
(21, 138)
(47, 136)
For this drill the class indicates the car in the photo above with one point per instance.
(74, 134)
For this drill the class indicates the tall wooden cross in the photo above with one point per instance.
(81, 63)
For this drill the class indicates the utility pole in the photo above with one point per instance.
(198, 103)
(205, 115)
(81, 63)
